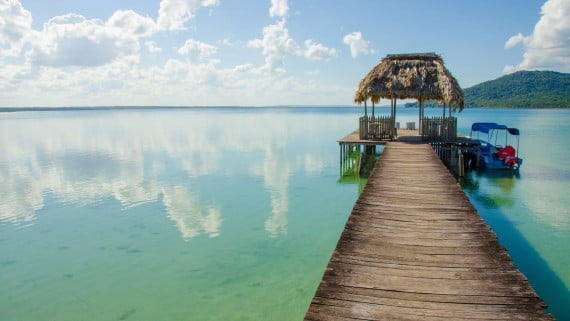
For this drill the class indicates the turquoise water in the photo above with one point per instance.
(530, 212)
(225, 214)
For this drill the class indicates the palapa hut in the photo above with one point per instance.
(420, 76)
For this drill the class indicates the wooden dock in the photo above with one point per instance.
(414, 248)
(403, 134)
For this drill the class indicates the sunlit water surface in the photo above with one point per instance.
(226, 214)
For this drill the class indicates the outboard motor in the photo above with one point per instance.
(507, 154)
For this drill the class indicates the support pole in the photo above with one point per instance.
(421, 116)
(372, 107)
(390, 126)
(340, 160)
(395, 129)
(395, 108)
(365, 108)
(460, 165)
(444, 130)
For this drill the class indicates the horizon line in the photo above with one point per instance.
(119, 107)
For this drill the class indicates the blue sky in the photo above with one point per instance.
(257, 52)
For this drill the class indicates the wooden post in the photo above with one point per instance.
(358, 165)
(372, 107)
(395, 108)
(422, 110)
(340, 163)
(478, 155)
(395, 129)
(365, 108)
(392, 117)
(444, 128)
(421, 116)
(460, 165)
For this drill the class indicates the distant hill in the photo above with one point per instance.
(522, 89)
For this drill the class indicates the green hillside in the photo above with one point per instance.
(522, 89)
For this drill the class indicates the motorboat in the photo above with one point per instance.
(496, 152)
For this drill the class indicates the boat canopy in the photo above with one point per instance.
(486, 127)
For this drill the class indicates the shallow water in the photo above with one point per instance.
(530, 212)
(225, 214)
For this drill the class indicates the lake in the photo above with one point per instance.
(227, 213)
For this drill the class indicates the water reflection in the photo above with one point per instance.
(82, 158)
(275, 171)
(191, 217)
(512, 203)
(500, 183)
(540, 194)
(545, 195)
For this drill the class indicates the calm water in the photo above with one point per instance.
(225, 214)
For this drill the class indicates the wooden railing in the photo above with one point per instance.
(439, 129)
(458, 156)
(376, 128)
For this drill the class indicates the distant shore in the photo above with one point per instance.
(78, 108)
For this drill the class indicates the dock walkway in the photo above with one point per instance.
(414, 248)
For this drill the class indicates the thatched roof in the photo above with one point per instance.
(418, 76)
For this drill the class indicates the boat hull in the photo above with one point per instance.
(492, 162)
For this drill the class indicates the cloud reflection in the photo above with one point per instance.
(275, 171)
(82, 158)
(190, 216)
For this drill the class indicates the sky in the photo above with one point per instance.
(258, 52)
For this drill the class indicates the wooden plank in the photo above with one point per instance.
(391, 310)
(414, 248)
(404, 298)
(359, 267)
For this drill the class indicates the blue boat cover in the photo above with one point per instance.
(486, 127)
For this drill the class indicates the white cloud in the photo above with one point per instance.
(358, 46)
(276, 45)
(74, 60)
(514, 40)
(15, 24)
(196, 50)
(278, 8)
(130, 22)
(73, 40)
(173, 14)
(317, 51)
(244, 68)
(548, 47)
(153, 47)
(226, 42)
